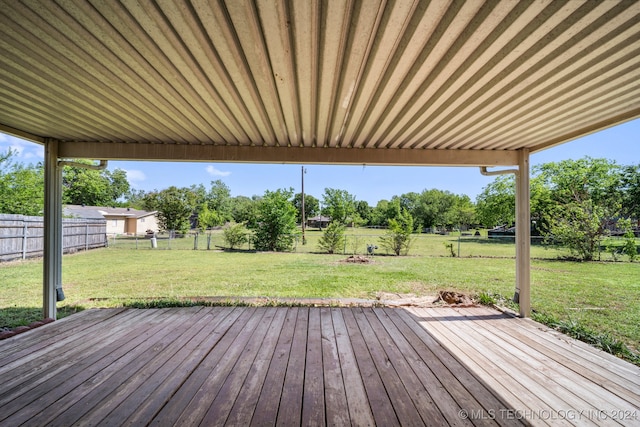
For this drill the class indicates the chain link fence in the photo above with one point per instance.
(357, 242)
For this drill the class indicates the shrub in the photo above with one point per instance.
(449, 247)
(332, 238)
(398, 237)
(235, 235)
(629, 247)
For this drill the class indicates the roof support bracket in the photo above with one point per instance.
(101, 166)
(485, 172)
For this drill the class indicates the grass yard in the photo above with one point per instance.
(603, 297)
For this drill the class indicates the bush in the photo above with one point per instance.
(333, 238)
(629, 247)
(276, 222)
(235, 235)
(398, 237)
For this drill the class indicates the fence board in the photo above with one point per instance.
(22, 236)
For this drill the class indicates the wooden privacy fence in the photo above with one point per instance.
(22, 237)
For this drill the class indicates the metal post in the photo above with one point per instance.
(523, 234)
(304, 239)
(52, 262)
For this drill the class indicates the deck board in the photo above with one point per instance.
(379, 401)
(463, 386)
(309, 366)
(126, 397)
(574, 376)
(337, 409)
(313, 402)
(266, 408)
(290, 405)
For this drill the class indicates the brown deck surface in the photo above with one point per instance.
(309, 366)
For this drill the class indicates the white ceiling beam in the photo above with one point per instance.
(295, 155)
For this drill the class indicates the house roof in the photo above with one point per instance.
(371, 82)
(319, 218)
(102, 212)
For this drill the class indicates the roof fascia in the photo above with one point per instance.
(292, 155)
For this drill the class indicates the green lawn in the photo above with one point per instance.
(601, 296)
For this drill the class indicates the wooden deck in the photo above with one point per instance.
(309, 366)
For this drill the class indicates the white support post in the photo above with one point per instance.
(523, 235)
(52, 272)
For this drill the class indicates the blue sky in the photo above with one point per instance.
(371, 183)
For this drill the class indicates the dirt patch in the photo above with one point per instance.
(413, 300)
(453, 298)
(404, 300)
(358, 259)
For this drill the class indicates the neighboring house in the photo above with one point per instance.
(318, 221)
(119, 220)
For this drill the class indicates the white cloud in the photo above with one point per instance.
(135, 176)
(215, 172)
(24, 150)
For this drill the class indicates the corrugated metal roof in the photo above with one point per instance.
(136, 79)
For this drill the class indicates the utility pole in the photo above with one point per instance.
(304, 239)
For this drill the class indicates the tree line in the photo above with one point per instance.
(574, 203)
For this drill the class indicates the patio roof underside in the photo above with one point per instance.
(360, 82)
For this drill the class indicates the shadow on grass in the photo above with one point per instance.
(12, 317)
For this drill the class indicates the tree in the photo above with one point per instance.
(175, 207)
(81, 186)
(244, 209)
(208, 218)
(579, 227)
(21, 187)
(364, 211)
(311, 206)
(339, 205)
(462, 213)
(630, 183)
(496, 205)
(135, 198)
(275, 226)
(398, 238)
(118, 184)
(381, 213)
(435, 208)
(332, 238)
(586, 195)
(219, 199)
(409, 201)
